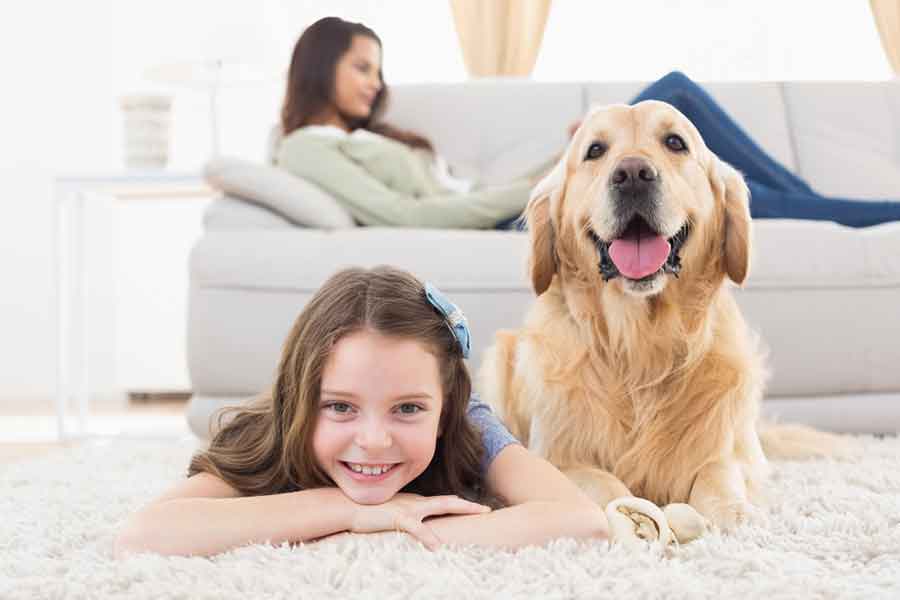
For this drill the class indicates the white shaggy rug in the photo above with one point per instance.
(833, 532)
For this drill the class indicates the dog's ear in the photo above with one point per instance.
(543, 262)
(731, 189)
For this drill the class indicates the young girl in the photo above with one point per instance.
(370, 426)
(334, 137)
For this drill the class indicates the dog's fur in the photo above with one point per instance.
(649, 388)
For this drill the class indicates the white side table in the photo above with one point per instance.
(70, 194)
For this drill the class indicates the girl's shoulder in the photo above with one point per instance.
(494, 434)
(480, 411)
(475, 402)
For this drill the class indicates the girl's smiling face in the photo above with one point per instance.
(379, 414)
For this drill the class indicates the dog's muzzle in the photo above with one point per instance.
(608, 269)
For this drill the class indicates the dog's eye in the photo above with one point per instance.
(595, 151)
(675, 143)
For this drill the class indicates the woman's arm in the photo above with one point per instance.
(395, 164)
(372, 202)
(544, 505)
(203, 516)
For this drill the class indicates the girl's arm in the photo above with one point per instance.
(543, 505)
(204, 516)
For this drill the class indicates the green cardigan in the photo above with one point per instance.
(384, 182)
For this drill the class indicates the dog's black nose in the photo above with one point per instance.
(633, 174)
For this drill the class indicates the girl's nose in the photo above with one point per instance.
(373, 436)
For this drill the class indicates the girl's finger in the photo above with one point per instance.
(421, 532)
(450, 499)
(446, 505)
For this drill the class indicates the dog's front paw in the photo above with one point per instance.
(728, 517)
(686, 523)
(635, 520)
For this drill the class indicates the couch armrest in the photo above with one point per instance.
(291, 197)
(230, 213)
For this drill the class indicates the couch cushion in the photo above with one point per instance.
(827, 310)
(262, 259)
(847, 137)
(793, 254)
(757, 107)
(509, 127)
(824, 299)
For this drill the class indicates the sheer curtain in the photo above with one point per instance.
(500, 37)
(887, 18)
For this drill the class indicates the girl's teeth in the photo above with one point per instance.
(367, 470)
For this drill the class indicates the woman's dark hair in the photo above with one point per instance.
(266, 447)
(310, 83)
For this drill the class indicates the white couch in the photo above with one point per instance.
(825, 298)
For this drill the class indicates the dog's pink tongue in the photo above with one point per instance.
(639, 253)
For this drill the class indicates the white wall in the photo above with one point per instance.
(641, 40)
(64, 64)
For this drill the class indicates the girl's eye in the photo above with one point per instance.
(675, 143)
(595, 151)
(409, 409)
(342, 408)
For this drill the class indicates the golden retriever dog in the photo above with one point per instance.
(634, 372)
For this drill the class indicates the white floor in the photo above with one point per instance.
(35, 423)
(44, 429)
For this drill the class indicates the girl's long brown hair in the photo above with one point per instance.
(266, 447)
(310, 84)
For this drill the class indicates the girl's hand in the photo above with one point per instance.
(406, 512)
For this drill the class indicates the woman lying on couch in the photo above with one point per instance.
(388, 177)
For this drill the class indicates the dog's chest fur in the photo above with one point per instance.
(633, 411)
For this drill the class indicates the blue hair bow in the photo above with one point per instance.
(453, 316)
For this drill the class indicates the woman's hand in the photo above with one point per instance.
(406, 512)
(533, 180)
(573, 127)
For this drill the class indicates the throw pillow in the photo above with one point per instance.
(297, 200)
